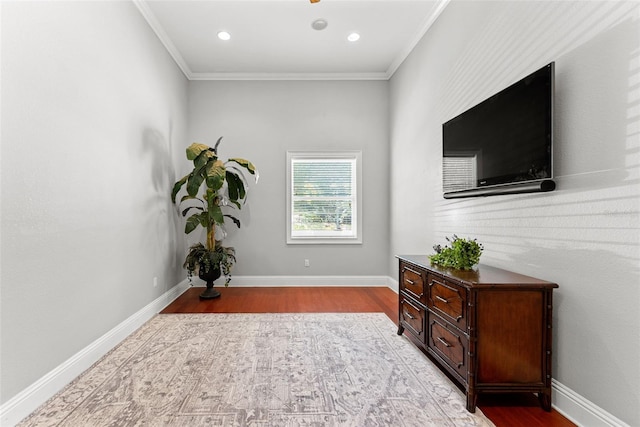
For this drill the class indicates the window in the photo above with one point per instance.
(459, 172)
(324, 197)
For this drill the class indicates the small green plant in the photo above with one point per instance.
(463, 254)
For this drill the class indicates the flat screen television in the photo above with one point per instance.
(504, 144)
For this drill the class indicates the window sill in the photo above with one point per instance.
(323, 241)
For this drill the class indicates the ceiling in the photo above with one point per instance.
(274, 39)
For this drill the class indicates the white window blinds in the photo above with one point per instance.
(322, 197)
(459, 173)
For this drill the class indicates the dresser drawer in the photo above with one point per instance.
(412, 316)
(449, 344)
(412, 282)
(448, 300)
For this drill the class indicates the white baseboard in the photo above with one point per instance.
(394, 285)
(569, 403)
(287, 281)
(28, 400)
(580, 410)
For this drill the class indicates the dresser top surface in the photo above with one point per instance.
(484, 275)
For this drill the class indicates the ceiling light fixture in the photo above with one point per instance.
(319, 24)
(353, 37)
(224, 35)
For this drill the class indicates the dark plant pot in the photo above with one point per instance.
(210, 276)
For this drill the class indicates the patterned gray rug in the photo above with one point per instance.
(266, 370)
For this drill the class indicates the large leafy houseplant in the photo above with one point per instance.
(212, 187)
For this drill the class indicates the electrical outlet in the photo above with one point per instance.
(155, 282)
(306, 263)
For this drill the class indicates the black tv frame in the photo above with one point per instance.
(530, 186)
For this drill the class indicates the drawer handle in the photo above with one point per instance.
(411, 282)
(409, 315)
(444, 300)
(443, 341)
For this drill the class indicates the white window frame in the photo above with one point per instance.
(356, 219)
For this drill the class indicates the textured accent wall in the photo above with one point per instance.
(585, 235)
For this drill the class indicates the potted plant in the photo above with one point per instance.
(463, 254)
(212, 186)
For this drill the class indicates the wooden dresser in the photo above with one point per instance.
(489, 328)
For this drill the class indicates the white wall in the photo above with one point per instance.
(261, 120)
(586, 235)
(93, 114)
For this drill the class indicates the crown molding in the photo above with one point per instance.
(190, 75)
(289, 76)
(428, 22)
(162, 35)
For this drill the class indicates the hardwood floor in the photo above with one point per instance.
(514, 410)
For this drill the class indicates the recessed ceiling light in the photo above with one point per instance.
(223, 35)
(353, 37)
(319, 24)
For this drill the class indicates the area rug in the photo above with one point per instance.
(262, 370)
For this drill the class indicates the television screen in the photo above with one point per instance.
(503, 141)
